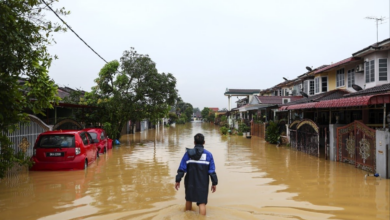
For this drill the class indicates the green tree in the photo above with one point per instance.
(134, 91)
(188, 111)
(205, 113)
(24, 63)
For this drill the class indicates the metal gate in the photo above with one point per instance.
(24, 137)
(356, 145)
(308, 138)
(293, 133)
(67, 124)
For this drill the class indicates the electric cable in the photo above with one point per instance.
(73, 31)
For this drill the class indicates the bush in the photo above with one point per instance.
(272, 133)
(224, 130)
(239, 133)
(181, 121)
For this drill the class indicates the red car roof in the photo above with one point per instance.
(93, 129)
(62, 132)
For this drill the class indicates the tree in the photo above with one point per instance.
(205, 112)
(188, 111)
(134, 92)
(24, 63)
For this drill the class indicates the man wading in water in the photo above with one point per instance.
(198, 163)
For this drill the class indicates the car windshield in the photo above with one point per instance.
(93, 135)
(56, 140)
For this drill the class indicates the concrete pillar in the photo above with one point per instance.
(382, 146)
(229, 102)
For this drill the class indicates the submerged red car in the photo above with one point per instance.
(64, 150)
(104, 143)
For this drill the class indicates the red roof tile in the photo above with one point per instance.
(336, 64)
(344, 102)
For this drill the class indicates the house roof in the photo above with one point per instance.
(373, 47)
(334, 94)
(342, 62)
(370, 91)
(343, 102)
(241, 91)
(214, 109)
(275, 99)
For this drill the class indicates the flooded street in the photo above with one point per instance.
(256, 181)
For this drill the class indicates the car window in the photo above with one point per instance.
(90, 138)
(56, 140)
(93, 135)
(84, 138)
(102, 137)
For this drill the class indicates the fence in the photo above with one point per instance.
(258, 129)
(23, 138)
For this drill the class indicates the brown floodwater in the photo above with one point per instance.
(256, 181)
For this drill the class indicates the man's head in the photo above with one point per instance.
(199, 139)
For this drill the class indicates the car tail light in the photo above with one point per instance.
(78, 150)
(34, 152)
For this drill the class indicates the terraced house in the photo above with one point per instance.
(342, 113)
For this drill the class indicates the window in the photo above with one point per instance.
(317, 85)
(276, 93)
(370, 71)
(340, 78)
(280, 92)
(102, 137)
(56, 141)
(382, 69)
(84, 138)
(311, 91)
(324, 84)
(90, 138)
(93, 135)
(351, 77)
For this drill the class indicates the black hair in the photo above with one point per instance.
(199, 138)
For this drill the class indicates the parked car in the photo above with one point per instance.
(104, 143)
(64, 150)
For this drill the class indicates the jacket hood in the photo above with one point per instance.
(196, 152)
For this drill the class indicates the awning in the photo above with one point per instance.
(300, 106)
(344, 102)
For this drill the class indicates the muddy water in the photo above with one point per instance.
(256, 181)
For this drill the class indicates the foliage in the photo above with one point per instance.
(167, 125)
(182, 120)
(242, 127)
(240, 133)
(205, 113)
(132, 89)
(272, 133)
(172, 116)
(24, 63)
(208, 114)
(188, 112)
(224, 130)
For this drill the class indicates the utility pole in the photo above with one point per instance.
(381, 19)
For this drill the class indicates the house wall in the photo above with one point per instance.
(332, 80)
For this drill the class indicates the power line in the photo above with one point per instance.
(74, 31)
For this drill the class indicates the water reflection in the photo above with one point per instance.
(256, 181)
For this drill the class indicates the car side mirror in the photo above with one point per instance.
(95, 141)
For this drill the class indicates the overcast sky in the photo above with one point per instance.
(213, 45)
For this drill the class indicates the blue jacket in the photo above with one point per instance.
(198, 168)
